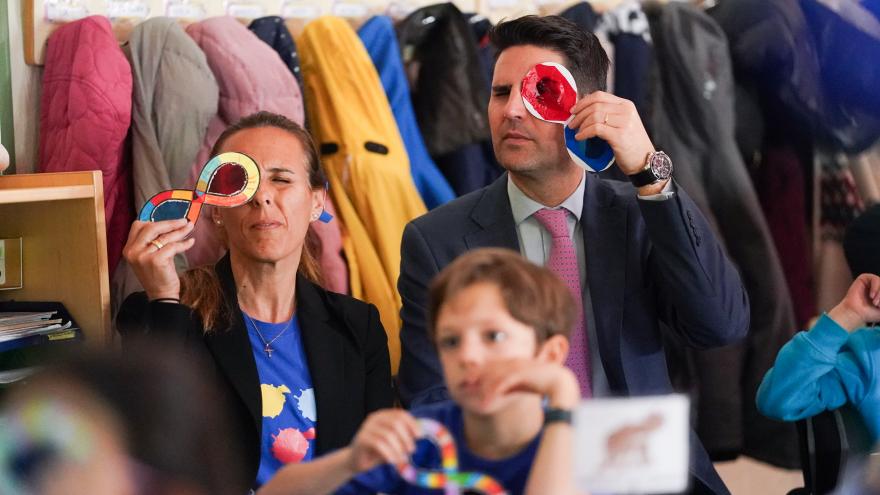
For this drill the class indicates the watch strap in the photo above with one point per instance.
(644, 178)
(555, 415)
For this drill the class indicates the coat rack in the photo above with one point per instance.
(41, 17)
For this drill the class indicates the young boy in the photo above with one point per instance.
(835, 362)
(500, 325)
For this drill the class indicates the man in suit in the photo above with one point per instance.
(645, 256)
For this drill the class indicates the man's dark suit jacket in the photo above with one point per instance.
(344, 342)
(648, 263)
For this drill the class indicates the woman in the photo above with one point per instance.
(302, 366)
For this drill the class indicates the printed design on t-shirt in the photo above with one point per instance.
(273, 399)
(306, 404)
(291, 445)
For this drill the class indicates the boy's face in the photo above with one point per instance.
(473, 330)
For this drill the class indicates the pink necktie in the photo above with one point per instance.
(563, 262)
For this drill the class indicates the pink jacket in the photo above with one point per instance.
(252, 77)
(85, 112)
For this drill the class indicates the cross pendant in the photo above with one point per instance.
(268, 350)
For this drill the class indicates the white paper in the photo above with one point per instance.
(502, 4)
(300, 11)
(633, 445)
(350, 10)
(185, 10)
(134, 9)
(245, 10)
(65, 10)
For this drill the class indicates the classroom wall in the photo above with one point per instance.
(25, 95)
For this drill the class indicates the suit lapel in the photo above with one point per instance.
(232, 348)
(494, 217)
(326, 362)
(605, 232)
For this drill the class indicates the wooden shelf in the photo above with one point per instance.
(60, 218)
(46, 194)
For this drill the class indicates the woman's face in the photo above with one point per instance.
(272, 226)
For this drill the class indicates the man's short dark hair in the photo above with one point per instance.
(584, 56)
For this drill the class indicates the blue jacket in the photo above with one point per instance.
(821, 370)
(379, 38)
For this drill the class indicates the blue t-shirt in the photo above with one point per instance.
(512, 472)
(289, 413)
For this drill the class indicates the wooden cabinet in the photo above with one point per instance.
(60, 218)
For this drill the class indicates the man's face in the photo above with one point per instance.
(523, 143)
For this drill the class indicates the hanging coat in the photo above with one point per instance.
(801, 53)
(450, 94)
(380, 40)
(85, 111)
(334, 271)
(251, 78)
(626, 27)
(365, 160)
(169, 119)
(693, 121)
(274, 32)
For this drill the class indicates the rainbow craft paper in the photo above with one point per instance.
(548, 92)
(448, 477)
(227, 180)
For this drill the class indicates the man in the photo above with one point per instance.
(645, 255)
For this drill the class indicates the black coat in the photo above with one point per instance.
(344, 341)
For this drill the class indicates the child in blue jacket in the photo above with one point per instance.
(836, 361)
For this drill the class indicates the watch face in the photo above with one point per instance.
(661, 165)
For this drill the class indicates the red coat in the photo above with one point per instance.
(85, 113)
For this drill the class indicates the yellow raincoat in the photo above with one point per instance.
(365, 161)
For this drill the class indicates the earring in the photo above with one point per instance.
(218, 222)
(314, 216)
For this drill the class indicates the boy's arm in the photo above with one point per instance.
(386, 437)
(812, 373)
(552, 470)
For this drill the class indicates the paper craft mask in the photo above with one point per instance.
(448, 477)
(227, 180)
(548, 92)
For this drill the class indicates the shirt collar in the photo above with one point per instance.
(523, 206)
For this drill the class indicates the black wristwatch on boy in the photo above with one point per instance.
(658, 166)
(555, 415)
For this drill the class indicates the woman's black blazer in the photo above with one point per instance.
(345, 345)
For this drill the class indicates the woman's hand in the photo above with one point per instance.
(860, 305)
(150, 251)
(386, 436)
(548, 379)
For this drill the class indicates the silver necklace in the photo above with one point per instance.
(267, 345)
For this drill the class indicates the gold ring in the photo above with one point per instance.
(156, 243)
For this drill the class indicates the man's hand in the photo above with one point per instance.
(617, 121)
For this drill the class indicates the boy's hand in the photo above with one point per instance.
(552, 380)
(386, 436)
(860, 305)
